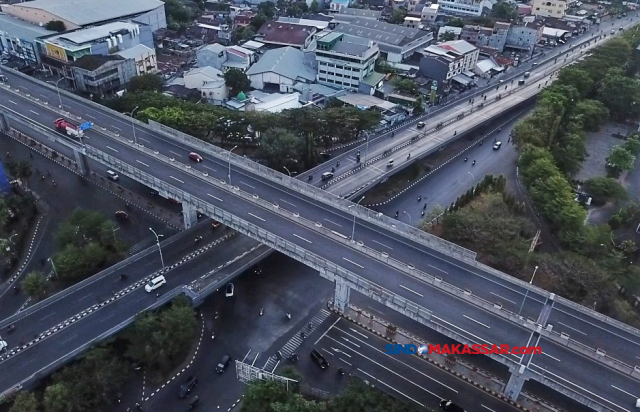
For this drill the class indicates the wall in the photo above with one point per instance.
(107, 85)
(24, 50)
(434, 69)
(208, 58)
(549, 8)
(156, 19)
(524, 37)
(34, 16)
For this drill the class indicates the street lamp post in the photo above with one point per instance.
(58, 90)
(133, 125)
(527, 291)
(407, 213)
(285, 168)
(353, 231)
(55, 272)
(158, 243)
(366, 150)
(472, 176)
(229, 175)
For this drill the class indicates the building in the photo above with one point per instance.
(549, 8)
(345, 61)
(367, 14)
(58, 51)
(102, 75)
(452, 60)
(456, 31)
(412, 22)
(286, 34)
(318, 24)
(336, 6)
(283, 68)
(225, 58)
(504, 36)
(396, 43)
(144, 58)
(525, 37)
(466, 7)
(209, 81)
(76, 14)
(257, 101)
(18, 38)
(428, 12)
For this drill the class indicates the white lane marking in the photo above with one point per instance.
(479, 323)
(330, 221)
(111, 148)
(245, 356)
(433, 267)
(36, 113)
(217, 198)
(247, 184)
(391, 387)
(67, 340)
(177, 154)
(301, 238)
(176, 179)
(11, 101)
(623, 391)
(574, 329)
(345, 362)
(410, 290)
(580, 387)
(46, 97)
(117, 128)
(210, 168)
(502, 297)
(48, 316)
(89, 116)
(85, 297)
(142, 138)
(552, 357)
(361, 334)
(351, 261)
(327, 331)
(382, 244)
(489, 409)
(289, 203)
(257, 217)
(144, 164)
(353, 343)
(465, 331)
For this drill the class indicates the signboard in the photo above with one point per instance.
(5, 187)
(86, 125)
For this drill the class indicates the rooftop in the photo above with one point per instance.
(208, 71)
(369, 14)
(92, 62)
(459, 46)
(214, 48)
(378, 31)
(85, 12)
(135, 51)
(286, 61)
(21, 29)
(318, 24)
(94, 34)
(285, 33)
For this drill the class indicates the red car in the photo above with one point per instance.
(195, 157)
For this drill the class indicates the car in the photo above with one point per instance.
(174, 201)
(155, 283)
(421, 125)
(535, 64)
(638, 404)
(224, 362)
(121, 214)
(215, 224)
(318, 359)
(520, 82)
(193, 402)
(3, 345)
(112, 175)
(187, 386)
(613, 32)
(390, 163)
(228, 291)
(450, 406)
(496, 145)
(326, 175)
(526, 74)
(195, 157)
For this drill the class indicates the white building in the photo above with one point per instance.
(257, 101)
(343, 60)
(466, 7)
(144, 57)
(225, 58)
(429, 13)
(283, 67)
(462, 51)
(452, 60)
(546, 8)
(209, 81)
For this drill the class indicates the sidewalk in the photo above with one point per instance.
(463, 370)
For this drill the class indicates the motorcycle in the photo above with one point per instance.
(310, 178)
(466, 158)
(473, 163)
(261, 311)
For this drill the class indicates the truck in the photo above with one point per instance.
(68, 128)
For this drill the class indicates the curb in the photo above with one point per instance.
(435, 363)
(15, 277)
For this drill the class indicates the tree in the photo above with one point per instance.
(294, 11)
(605, 188)
(456, 22)
(628, 248)
(57, 398)
(504, 10)
(593, 114)
(404, 85)
(20, 169)
(448, 36)
(621, 158)
(178, 15)
(260, 396)
(633, 145)
(55, 25)
(145, 82)
(398, 16)
(256, 22)
(237, 81)
(268, 8)
(315, 7)
(578, 78)
(25, 402)
(279, 148)
(35, 284)
(620, 94)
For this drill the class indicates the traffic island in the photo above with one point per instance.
(461, 369)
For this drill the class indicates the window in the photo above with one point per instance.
(323, 71)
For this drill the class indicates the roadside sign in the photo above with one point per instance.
(86, 125)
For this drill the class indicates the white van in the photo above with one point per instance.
(155, 283)
(112, 175)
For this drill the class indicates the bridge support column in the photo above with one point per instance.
(189, 214)
(516, 381)
(342, 294)
(4, 123)
(81, 161)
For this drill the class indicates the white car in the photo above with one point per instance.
(112, 175)
(3, 345)
(228, 292)
(155, 283)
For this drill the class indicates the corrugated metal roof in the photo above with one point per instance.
(21, 29)
(285, 61)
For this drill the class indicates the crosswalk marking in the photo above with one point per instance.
(143, 244)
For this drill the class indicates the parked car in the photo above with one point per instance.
(224, 362)
(228, 292)
(195, 157)
(193, 402)
(319, 359)
(155, 283)
(187, 386)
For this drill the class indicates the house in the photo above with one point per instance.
(209, 81)
(428, 12)
(452, 60)
(318, 24)
(487, 68)
(465, 7)
(225, 58)
(337, 5)
(549, 8)
(76, 14)
(257, 101)
(396, 43)
(58, 51)
(102, 75)
(18, 38)
(144, 58)
(345, 61)
(283, 67)
(286, 34)
(525, 37)
(456, 31)
(366, 14)
(412, 22)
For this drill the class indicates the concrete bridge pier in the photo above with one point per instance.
(343, 292)
(517, 379)
(4, 123)
(189, 214)
(81, 161)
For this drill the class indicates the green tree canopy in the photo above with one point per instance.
(504, 10)
(448, 36)
(605, 188)
(279, 148)
(593, 114)
(268, 8)
(55, 25)
(35, 284)
(315, 7)
(145, 82)
(578, 78)
(398, 16)
(25, 402)
(621, 158)
(237, 81)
